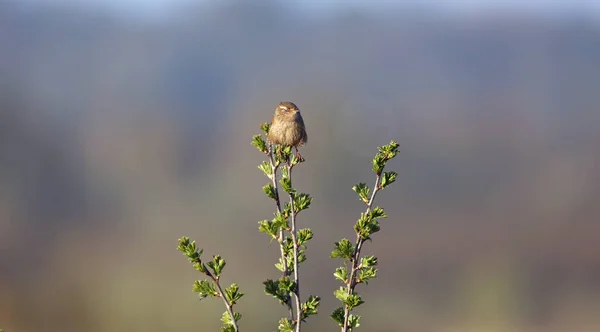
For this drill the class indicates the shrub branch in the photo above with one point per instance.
(284, 229)
(362, 269)
(212, 288)
(281, 239)
(292, 242)
(356, 257)
(295, 249)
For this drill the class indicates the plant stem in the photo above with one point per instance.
(228, 305)
(355, 261)
(295, 248)
(274, 168)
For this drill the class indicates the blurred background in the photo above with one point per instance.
(125, 125)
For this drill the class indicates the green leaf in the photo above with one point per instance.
(341, 294)
(289, 246)
(354, 301)
(368, 261)
(288, 250)
(268, 228)
(259, 143)
(363, 191)
(353, 321)
(280, 289)
(365, 227)
(285, 172)
(377, 212)
(387, 178)
(280, 221)
(286, 184)
(389, 149)
(287, 210)
(301, 257)
(265, 127)
(287, 285)
(309, 307)
(227, 328)
(366, 274)
(226, 318)
(378, 163)
(266, 168)
(351, 300)
(338, 316)
(289, 261)
(368, 224)
(341, 273)
(392, 150)
(217, 265)
(204, 288)
(271, 287)
(282, 154)
(285, 325)
(343, 249)
(287, 150)
(269, 190)
(199, 266)
(385, 153)
(304, 235)
(189, 249)
(183, 243)
(302, 201)
(233, 294)
(294, 160)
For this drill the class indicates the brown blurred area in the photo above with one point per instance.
(120, 135)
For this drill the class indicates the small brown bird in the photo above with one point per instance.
(287, 128)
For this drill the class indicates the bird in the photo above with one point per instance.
(287, 127)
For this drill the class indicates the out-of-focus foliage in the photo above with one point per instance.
(118, 136)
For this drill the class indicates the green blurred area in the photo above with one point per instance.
(117, 137)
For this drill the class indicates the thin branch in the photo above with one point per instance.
(356, 257)
(228, 306)
(274, 177)
(281, 240)
(375, 191)
(295, 248)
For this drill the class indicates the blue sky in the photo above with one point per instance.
(158, 7)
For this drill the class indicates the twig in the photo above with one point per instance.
(295, 248)
(274, 168)
(356, 257)
(228, 305)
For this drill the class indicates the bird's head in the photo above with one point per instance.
(287, 107)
